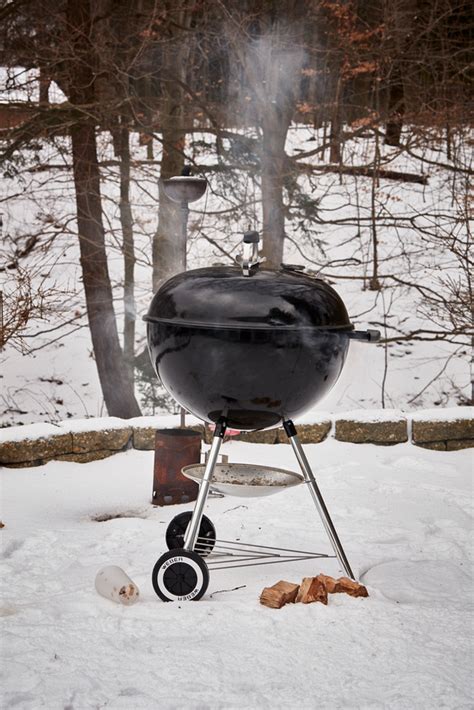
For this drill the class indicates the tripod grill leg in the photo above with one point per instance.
(317, 497)
(195, 522)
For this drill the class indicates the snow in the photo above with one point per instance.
(162, 421)
(45, 430)
(372, 415)
(29, 431)
(93, 424)
(450, 414)
(21, 85)
(314, 417)
(403, 515)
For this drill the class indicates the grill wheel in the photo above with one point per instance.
(180, 575)
(176, 531)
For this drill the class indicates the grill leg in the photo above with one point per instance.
(195, 522)
(317, 497)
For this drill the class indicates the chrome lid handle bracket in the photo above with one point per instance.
(250, 258)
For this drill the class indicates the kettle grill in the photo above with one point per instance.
(248, 348)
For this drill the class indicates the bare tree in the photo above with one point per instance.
(117, 387)
(169, 245)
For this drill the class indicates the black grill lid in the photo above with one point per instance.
(221, 297)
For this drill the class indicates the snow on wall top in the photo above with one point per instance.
(43, 430)
(93, 424)
(37, 431)
(371, 416)
(450, 414)
(31, 431)
(314, 417)
(165, 421)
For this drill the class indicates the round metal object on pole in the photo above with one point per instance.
(184, 188)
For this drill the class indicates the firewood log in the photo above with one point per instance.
(279, 594)
(329, 582)
(312, 590)
(349, 586)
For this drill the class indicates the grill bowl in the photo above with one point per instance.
(253, 377)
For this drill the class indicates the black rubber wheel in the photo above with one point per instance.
(176, 531)
(180, 575)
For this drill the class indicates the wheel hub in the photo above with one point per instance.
(180, 579)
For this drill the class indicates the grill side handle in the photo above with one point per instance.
(370, 336)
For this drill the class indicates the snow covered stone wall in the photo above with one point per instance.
(372, 426)
(448, 433)
(84, 440)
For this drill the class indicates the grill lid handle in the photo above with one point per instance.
(372, 336)
(250, 259)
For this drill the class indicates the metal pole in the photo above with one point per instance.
(195, 522)
(184, 231)
(184, 236)
(317, 497)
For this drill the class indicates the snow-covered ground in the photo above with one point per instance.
(403, 514)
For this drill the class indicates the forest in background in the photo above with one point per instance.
(113, 96)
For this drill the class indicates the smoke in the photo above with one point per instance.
(269, 68)
(269, 71)
(169, 241)
(129, 306)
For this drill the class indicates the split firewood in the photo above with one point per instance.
(312, 590)
(329, 582)
(279, 594)
(343, 584)
(349, 586)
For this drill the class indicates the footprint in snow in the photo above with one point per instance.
(12, 547)
(411, 582)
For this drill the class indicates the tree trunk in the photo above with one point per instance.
(273, 160)
(335, 155)
(272, 65)
(374, 283)
(44, 84)
(114, 378)
(396, 110)
(169, 243)
(126, 221)
(116, 385)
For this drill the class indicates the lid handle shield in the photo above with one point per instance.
(250, 259)
(251, 238)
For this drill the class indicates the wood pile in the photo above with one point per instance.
(311, 589)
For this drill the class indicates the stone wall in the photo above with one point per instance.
(91, 439)
(440, 434)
